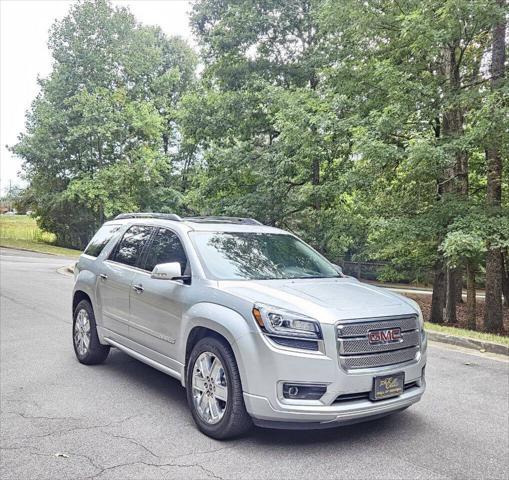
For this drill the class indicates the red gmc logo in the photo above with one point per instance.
(380, 337)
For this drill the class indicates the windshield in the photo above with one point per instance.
(259, 256)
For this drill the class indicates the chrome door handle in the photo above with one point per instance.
(103, 276)
(138, 288)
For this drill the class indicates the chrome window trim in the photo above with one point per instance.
(146, 272)
(124, 265)
(113, 251)
(156, 231)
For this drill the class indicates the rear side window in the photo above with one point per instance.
(131, 246)
(166, 248)
(100, 239)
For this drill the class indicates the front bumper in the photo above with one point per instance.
(310, 416)
(274, 366)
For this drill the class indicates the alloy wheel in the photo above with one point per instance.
(209, 387)
(82, 332)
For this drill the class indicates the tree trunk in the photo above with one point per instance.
(505, 279)
(315, 165)
(493, 302)
(459, 285)
(493, 320)
(456, 175)
(438, 297)
(315, 181)
(471, 300)
(166, 142)
(102, 217)
(450, 298)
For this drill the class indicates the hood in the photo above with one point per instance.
(328, 300)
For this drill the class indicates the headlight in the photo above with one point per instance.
(283, 323)
(421, 320)
(419, 312)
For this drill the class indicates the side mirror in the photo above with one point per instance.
(167, 271)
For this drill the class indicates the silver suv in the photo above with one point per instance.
(258, 326)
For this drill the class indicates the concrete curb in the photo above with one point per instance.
(21, 249)
(67, 270)
(468, 343)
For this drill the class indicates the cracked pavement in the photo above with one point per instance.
(125, 420)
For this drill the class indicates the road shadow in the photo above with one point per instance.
(153, 381)
(160, 385)
(375, 430)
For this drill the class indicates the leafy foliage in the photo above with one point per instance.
(101, 134)
(361, 126)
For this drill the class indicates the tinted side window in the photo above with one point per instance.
(166, 248)
(100, 239)
(131, 246)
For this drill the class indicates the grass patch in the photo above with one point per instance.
(461, 332)
(22, 232)
(39, 247)
(22, 227)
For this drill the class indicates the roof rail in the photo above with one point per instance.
(198, 219)
(162, 216)
(234, 220)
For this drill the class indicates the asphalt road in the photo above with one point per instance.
(123, 419)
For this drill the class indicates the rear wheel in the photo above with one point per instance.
(86, 343)
(214, 390)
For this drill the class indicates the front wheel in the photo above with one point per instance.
(86, 343)
(214, 390)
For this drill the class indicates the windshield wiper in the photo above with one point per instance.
(312, 276)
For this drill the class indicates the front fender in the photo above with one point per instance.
(225, 321)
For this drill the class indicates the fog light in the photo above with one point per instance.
(293, 391)
(301, 391)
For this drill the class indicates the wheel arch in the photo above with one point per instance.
(196, 334)
(218, 322)
(78, 296)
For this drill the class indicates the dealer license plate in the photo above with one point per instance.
(388, 386)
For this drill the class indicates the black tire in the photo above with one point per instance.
(95, 353)
(235, 420)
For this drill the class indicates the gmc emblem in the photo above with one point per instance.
(382, 337)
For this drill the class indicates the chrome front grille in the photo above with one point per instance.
(362, 327)
(356, 352)
(380, 359)
(354, 346)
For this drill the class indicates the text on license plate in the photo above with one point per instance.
(388, 386)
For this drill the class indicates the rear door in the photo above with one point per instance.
(116, 276)
(157, 305)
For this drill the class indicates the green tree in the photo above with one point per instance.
(102, 131)
(465, 246)
(414, 69)
(494, 151)
(356, 124)
(373, 129)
